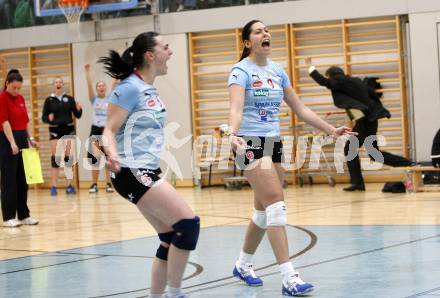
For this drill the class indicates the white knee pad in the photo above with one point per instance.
(276, 214)
(259, 218)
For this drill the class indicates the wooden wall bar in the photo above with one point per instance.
(39, 66)
(212, 56)
(362, 47)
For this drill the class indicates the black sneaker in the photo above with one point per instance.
(354, 187)
(93, 188)
(109, 188)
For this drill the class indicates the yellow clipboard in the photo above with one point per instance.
(32, 166)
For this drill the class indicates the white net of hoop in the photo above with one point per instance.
(72, 9)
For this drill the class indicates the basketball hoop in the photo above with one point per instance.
(73, 9)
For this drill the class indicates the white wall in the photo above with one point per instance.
(425, 80)
(46, 35)
(279, 13)
(173, 89)
(213, 19)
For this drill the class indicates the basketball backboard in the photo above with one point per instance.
(44, 8)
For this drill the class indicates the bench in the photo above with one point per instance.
(416, 176)
(235, 182)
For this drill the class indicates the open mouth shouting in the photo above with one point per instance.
(266, 44)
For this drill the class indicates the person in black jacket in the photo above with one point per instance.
(357, 98)
(435, 150)
(57, 112)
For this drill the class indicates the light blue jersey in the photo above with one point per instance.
(140, 139)
(100, 106)
(264, 92)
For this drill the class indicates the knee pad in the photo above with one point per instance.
(54, 162)
(186, 233)
(162, 251)
(68, 161)
(260, 219)
(276, 214)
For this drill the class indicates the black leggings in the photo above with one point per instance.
(95, 139)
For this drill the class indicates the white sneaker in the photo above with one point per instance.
(295, 286)
(175, 296)
(93, 188)
(109, 188)
(29, 221)
(12, 223)
(247, 274)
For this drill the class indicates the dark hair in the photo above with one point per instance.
(245, 34)
(13, 76)
(334, 71)
(120, 67)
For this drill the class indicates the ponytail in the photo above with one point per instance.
(245, 53)
(116, 66)
(13, 76)
(121, 67)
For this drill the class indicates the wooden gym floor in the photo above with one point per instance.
(367, 244)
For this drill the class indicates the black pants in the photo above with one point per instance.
(365, 128)
(95, 140)
(13, 180)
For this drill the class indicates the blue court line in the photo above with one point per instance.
(424, 293)
(52, 265)
(351, 255)
(199, 270)
(61, 252)
(96, 256)
(242, 219)
(312, 243)
(324, 262)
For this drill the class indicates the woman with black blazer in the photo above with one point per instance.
(356, 97)
(58, 111)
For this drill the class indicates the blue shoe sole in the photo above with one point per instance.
(299, 294)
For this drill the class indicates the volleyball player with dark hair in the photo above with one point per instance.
(257, 87)
(135, 121)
